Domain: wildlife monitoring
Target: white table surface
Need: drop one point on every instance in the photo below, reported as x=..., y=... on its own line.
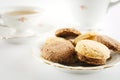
x=17, y=62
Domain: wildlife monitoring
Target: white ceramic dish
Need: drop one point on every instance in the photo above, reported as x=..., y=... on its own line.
x=31, y=37
x=115, y=59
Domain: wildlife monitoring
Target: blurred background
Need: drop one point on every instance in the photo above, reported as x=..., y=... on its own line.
x=57, y=13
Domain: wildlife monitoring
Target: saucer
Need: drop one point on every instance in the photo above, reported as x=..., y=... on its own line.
x=8, y=34
x=81, y=69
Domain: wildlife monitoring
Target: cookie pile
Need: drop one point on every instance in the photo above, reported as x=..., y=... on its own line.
x=70, y=45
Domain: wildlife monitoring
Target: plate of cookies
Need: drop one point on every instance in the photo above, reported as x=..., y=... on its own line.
x=70, y=50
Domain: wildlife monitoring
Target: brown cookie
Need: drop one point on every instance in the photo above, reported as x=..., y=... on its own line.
x=59, y=50
x=68, y=33
x=65, y=32
x=109, y=42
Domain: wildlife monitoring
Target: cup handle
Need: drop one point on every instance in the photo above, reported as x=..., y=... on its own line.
x=113, y=3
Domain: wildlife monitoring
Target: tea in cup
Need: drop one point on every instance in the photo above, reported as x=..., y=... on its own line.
x=21, y=18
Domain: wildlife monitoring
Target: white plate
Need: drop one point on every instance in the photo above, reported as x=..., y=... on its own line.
x=115, y=59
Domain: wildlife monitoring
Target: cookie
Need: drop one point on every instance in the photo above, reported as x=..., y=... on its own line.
x=92, y=52
x=65, y=32
x=89, y=35
x=68, y=33
x=59, y=50
x=109, y=42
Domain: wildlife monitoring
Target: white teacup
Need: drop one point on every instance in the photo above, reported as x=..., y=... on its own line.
x=21, y=18
x=89, y=12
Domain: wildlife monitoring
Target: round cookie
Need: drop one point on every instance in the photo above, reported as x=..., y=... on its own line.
x=59, y=50
x=92, y=52
x=68, y=33
x=65, y=32
x=109, y=42
x=89, y=35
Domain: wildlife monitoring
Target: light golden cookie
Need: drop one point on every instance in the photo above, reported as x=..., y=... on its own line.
x=59, y=50
x=89, y=35
x=92, y=52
